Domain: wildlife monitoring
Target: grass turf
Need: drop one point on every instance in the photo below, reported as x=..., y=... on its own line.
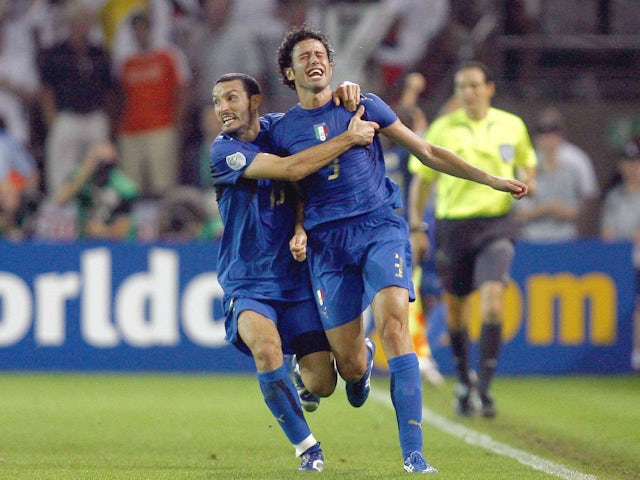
x=85, y=426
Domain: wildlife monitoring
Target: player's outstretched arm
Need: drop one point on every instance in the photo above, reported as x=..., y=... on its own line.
x=297, y=166
x=446, y=161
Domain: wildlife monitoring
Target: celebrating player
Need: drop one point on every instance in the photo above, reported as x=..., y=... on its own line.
x=358, y=248
x=267, y=295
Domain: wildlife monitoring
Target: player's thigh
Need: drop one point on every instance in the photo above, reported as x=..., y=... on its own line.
x=257, y=329
x=348, y=347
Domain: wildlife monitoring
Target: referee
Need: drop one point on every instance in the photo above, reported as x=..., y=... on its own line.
x=475, y=227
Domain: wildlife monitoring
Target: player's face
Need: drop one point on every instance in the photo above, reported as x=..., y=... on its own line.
x=473, y=91
x=310, y=67
x=233, y=108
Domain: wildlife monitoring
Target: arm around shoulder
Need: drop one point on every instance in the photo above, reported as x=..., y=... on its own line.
x=299, y=165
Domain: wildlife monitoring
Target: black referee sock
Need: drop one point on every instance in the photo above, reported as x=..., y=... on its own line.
x=459, y=342
x=489, y=346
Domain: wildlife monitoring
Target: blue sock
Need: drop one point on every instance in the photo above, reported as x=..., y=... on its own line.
x=281, y=397
x=406, y=395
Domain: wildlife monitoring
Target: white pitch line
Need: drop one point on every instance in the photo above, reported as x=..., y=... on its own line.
x=476, y=438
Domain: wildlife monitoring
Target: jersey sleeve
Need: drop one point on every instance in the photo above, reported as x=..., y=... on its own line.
x=229, y=158
x=376, y=110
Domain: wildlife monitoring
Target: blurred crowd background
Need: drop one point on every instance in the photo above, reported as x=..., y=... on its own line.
x=105, y=105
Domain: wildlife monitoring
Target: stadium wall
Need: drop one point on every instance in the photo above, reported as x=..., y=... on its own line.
x=94, y=306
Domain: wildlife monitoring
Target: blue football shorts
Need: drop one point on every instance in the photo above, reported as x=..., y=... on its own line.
x=298, y=323
x=351, y=260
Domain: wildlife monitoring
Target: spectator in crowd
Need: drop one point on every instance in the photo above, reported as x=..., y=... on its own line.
x=77, y=82
x=119, y=33
x=234, y=49
x=558, y=215
x=416, y=23
x=565, y=183
x=197, y=170
x=19, y=78
x=154, y=80
x=475, y=228
x=621, y=221
x=184, y=215
x=49, y=21
x=19, y=182
x=104, y=195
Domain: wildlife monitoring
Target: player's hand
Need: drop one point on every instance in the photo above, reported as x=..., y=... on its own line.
x=364, y=130
x=348, y=94
x=298, y=246
x=516, y=188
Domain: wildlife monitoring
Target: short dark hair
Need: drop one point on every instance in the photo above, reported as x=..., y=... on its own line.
x=251, y=85
x=294, y=36
x=469, y=64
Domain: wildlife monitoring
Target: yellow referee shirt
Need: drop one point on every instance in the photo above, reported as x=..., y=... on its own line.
x=498, y=144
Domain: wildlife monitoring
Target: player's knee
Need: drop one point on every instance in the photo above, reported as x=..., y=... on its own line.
x=323, y=387
x=267, y=354
x=352, y=370
x=394, y=331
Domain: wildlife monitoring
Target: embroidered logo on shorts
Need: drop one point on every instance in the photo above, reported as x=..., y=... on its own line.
x=507, y=152
x=320, y=296
x=320, y=300
x=321, y=131
x=236, y=161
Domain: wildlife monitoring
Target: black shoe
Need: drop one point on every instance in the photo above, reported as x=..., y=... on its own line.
x=466, y=403
x=487, y=409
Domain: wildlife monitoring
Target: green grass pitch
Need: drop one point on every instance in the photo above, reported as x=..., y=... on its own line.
x=149, y=426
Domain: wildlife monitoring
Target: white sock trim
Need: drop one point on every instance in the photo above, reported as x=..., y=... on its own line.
x=305, y=444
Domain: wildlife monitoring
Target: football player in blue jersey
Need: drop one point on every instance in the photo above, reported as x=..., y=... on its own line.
x=358, y=248
x=267, y=294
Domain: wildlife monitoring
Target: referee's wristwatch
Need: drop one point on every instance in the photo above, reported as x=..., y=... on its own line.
x=423, y=227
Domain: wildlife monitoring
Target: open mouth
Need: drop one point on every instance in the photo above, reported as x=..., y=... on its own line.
x=227, y=120
x=315, y=73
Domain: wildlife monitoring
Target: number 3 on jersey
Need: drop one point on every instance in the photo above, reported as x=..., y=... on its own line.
x=335, y=165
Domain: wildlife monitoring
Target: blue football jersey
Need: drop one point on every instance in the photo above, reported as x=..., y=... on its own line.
x=355, y=182
x=258, y=216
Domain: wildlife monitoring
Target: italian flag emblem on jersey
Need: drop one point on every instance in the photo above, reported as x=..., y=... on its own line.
x=321, y=131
